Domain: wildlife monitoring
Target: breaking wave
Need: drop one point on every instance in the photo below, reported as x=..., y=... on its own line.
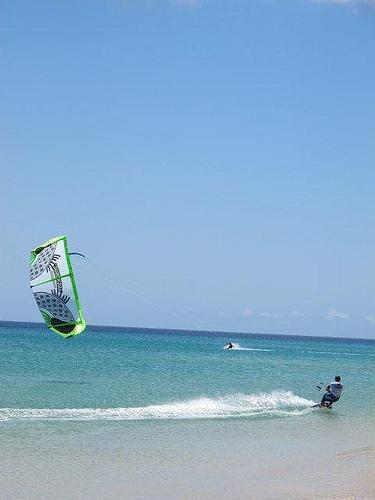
x=274, y=404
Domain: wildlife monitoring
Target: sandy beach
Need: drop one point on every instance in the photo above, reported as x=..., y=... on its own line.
x=186, y=460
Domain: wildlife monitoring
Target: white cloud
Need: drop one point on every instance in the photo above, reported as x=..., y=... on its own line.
x=297, y=314
x=334, y=314
x=267, y=315
x=247, y=313
x=350, y=3
x=187, y=3
x=179, y=3
x=370, y=318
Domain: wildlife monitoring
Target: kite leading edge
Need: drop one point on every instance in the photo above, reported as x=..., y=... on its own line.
x=53, y=285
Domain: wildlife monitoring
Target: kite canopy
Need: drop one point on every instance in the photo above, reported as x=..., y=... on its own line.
x=53, y=285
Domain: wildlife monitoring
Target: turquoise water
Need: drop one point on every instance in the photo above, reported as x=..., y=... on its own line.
x=132, y=368
x=179, y=374
x=139, y=413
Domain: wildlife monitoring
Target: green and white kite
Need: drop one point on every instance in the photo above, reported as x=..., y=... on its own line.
x=53, y=285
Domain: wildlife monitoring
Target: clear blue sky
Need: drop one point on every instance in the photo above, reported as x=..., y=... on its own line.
x=216, y=159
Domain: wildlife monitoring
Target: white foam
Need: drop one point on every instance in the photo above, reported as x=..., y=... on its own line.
x=236, y=405
x=237, y=347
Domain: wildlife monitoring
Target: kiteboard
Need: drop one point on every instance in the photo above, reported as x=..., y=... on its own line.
x=320, y=406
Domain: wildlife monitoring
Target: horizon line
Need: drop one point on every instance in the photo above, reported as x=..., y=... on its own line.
x=36, y=323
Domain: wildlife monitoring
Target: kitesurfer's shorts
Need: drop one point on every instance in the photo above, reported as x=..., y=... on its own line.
x=330, y=398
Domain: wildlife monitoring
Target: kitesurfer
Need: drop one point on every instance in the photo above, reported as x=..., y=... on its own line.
x=333, y=393
x=230, y=345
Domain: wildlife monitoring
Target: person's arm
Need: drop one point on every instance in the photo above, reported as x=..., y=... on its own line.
x=328, y=388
